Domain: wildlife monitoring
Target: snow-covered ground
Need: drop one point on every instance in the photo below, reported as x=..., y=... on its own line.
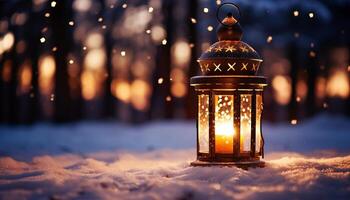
x=115, y=161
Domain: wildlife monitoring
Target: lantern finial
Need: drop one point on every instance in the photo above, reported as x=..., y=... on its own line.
x=228, y=14
x=229, y=29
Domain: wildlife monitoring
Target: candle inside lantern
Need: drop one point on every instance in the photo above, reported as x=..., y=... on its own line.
x=246, y=114
x=224, y=130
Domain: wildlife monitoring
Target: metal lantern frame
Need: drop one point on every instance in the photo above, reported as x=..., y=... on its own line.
x=235, y=86
x=231, y=88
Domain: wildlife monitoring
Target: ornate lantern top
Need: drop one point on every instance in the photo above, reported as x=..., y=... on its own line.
x=229, y=56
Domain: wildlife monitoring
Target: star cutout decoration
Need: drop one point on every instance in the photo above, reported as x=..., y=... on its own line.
x=244, y=49
x=218, y=49
x=230, y=49
x=210, y=49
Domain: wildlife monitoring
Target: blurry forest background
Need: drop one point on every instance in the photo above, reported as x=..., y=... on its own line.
x=70, y=60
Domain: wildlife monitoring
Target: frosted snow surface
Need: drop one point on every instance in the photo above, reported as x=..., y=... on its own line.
x=116, y=161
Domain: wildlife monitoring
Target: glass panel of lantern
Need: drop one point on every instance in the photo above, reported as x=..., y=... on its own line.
x=246, y=123
x=224, y=129
x=203, y=123
x=258, y=138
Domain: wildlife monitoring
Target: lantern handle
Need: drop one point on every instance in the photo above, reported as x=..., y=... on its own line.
x=228, y=3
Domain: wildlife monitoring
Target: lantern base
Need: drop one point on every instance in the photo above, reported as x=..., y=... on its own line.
x=240, y=164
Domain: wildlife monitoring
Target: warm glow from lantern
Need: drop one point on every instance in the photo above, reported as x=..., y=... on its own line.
x=338, y=85
x=224, y=131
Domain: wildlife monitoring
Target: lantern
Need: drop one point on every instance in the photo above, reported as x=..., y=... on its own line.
x=230, y=98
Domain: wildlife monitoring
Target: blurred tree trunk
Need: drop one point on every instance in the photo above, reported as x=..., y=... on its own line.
x=312, y=69
x=108, y=19
x=160, y=107
x=13, y=99
x=293, y=57
x=190, y=101
x=33, y=38
x=62, y=39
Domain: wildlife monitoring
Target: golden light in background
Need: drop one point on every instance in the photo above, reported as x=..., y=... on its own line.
x=94, y=40
x=6, y=71
x=140, y=93
x=140, y=70
x=205, y=46
x=321, y=84
x=178, y=87
x=282, y=89
x=19, y=19
x=82, y=5
x=158, y=33
x=160, y=81
x=301, y=89
x=121, y=90
x=53, y=4
x=210, y=28
x=7, y=42
x=42, y=39
x=181, y=53
x=296, y=13
x=95, y=59
x=21, y=46
x=135, y=22
x=311, y=15
x=338, y=85
x=269, y=39
x=89, y=85
x=47, y=68
x=164, y=42
x=94, y=73
x=156, y=4
x=193, y=20
x=25, y=78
